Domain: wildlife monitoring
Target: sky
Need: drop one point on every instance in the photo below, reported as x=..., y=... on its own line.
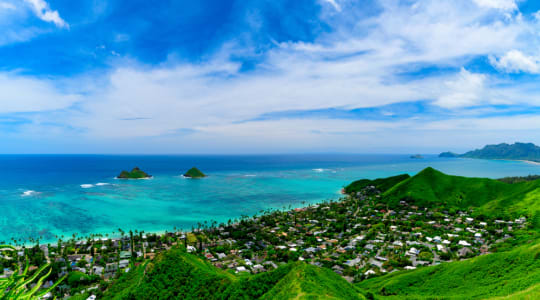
x=267, y=76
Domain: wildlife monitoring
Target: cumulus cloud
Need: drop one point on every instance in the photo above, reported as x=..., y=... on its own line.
x=45, y=13
x=515, y=61
x=379, y=60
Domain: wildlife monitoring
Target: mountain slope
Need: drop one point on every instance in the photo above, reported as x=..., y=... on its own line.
x=515, y=273
x=382, y=184
x=177, y=274
x=516, y=151
x=431, y=188
x=310, y=282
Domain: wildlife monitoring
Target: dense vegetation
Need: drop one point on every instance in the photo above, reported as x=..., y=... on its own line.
x=517, y=179
x=194, y=173
x=431, y=188
x=517, y=151
x=176, y=274
x=497, y=274
x=136, y=173
x=381, y=184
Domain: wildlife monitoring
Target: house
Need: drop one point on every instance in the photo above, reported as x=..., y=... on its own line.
x=464, y=243
x=369, y=272
x=413, y=251
x=241, y=269
x=97, y=270
x=191, y=249
x=375, y=263
x=409, y=268
x=123, y=263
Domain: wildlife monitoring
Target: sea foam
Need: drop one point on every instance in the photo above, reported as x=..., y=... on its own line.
x=29, y=193
x=87, y=186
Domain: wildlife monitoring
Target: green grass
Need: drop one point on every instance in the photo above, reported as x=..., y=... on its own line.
x=177, y=274
x=310, y=282
x=382, y=184
x=431, y=188
x=498, y=274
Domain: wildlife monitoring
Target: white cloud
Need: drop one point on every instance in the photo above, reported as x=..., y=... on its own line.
x=515, y=61
x=44, y=12
x=24, y=94
x=359, y=64
x=506, y=5
x=467, y=89
x=334, y=4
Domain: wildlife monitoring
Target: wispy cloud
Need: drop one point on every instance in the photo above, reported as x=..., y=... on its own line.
x=354, y=65
x=45, y=13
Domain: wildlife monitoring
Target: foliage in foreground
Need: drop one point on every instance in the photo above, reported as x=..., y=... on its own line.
x=16, y=285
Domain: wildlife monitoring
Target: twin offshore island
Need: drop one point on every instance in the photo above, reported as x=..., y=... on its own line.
x=431, y=235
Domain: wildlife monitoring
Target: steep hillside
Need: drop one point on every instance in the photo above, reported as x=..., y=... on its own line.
x=431, y=188
x=177, y=274
x=515, y=273
x=516, y=151
x=309, y=282
x=382, y=184
x=171, y=275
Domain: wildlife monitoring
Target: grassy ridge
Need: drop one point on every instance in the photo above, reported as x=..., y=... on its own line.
x=177, y=274
x=515, y=273
x=382, y=184
x=431, y=188
x=310, y=282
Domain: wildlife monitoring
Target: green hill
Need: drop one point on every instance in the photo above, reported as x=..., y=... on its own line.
x=515, y=273
x=136, y=173
x=431, y=188
x=177, y=274
x=309, y=282
x=516, y=151
x=194, y=173
x=382, y=184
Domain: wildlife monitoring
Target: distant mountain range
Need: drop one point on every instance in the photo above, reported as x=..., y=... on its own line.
x=517, y=151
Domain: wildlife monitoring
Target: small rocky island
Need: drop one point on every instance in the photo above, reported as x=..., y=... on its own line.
x=194, y=173
x=136, y=173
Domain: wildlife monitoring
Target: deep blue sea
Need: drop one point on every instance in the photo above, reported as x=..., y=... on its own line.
x=53, y=195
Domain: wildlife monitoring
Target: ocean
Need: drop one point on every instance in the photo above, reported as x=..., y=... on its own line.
x=49, y=196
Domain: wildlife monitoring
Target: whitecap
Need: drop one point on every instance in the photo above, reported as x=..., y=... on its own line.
x=250, y=175
x=87, y=186
x=318, y=170
x=29, y=193
x=102, y=183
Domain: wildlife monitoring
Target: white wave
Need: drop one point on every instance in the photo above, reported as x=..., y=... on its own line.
x=102, y=183
x=250, y=175
x=318, y=170
x=87, y=186
x=29, y=193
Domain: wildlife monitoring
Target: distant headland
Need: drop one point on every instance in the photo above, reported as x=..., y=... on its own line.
x=136, y=173
x=516, y=151
x=194, y=173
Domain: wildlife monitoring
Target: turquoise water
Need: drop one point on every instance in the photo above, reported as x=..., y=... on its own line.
x=49, y=196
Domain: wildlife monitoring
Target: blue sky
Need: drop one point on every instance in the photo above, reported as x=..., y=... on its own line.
x=219, y=76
